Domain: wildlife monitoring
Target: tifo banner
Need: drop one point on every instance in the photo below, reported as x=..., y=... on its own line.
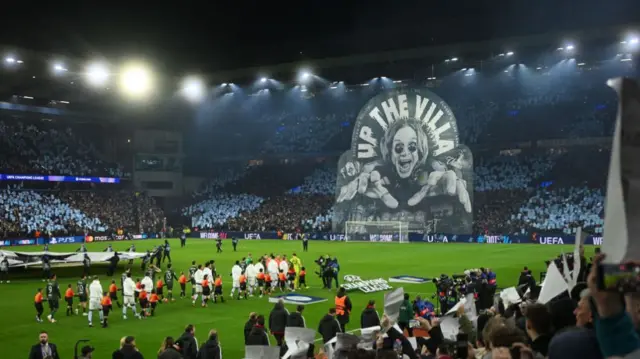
x=406, y=164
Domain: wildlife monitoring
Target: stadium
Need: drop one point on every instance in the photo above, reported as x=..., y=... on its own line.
x=455, y=191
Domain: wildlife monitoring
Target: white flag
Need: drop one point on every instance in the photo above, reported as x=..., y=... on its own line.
x=554, y=284
x=622, y=208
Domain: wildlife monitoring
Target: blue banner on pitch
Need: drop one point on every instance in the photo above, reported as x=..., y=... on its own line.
x=294, y=298
x=409, y=279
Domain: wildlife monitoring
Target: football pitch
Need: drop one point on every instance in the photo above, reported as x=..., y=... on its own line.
x=19, y=330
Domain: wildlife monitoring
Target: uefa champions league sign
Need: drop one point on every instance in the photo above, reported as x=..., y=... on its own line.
x=354, y=282
x=406, y=164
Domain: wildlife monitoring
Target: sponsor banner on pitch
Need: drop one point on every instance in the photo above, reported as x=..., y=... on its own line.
x=64, y=240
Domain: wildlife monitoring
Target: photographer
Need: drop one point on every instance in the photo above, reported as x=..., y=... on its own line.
x=447, y=295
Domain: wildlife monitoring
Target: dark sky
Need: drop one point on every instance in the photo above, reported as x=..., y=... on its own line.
x=207, y=36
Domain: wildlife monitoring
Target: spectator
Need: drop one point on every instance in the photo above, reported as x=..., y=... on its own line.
x=370, y=317
x=169, y=350
x=296, y=319
x=127, y=350
x=211, y=348
x=248, y=326
x=329, y=326
x=44, y=349
x=86, y=352
x=278, y=321
x=258, y=334
x=188, y=343
x=538, y=327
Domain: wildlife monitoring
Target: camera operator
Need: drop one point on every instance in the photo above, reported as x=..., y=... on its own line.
x=322, y=264
x=447, y=294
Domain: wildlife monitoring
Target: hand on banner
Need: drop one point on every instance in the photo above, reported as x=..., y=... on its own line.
x=452, y=186
x=608, y=304
x=371, y=185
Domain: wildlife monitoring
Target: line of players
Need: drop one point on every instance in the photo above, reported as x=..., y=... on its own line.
x=247, y=278
x=267, y=275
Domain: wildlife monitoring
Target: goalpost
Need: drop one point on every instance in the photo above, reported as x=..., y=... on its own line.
x=376, y=231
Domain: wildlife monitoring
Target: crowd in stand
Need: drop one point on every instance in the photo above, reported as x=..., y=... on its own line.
x=510, y=172
x=214, y=212
x=44, y=148
x=549, y=210
x=57, y=212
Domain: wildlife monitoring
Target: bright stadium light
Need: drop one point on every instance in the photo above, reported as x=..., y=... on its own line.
x=136, y=80
x=193, y=89
x=58, y=67
x=97, y=74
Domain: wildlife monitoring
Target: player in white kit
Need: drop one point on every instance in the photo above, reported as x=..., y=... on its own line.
x=236, y=272
x=209, y=273
x=272, y=269
x=95, y=298
x=251, y=273
x=129, y=294
x=198, y=276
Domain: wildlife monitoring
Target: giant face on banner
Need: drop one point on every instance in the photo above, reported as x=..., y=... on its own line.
x=406, y=164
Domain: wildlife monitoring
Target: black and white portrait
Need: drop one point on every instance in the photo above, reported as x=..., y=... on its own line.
x=406, y=164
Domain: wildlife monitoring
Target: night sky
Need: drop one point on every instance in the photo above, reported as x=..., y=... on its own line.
x=183, y=36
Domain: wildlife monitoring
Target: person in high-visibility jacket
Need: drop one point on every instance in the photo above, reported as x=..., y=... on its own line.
x=343, y=308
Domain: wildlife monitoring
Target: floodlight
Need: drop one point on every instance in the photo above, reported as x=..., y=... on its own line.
x=264, y=79
x=59, y=68
x=10, y=60
x=136, y=80
x=193, y=89
x=510, y=53
x=97, y=74
x=569, y=47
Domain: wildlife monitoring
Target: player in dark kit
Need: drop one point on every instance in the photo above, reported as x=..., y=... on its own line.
x=169, y=276
x=219, y=245
x=81, y=291
x=234, y=243
x=53, y=297
x=86, y=264
x=192, y=272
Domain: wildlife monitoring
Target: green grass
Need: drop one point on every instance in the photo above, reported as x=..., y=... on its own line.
x=369, y=260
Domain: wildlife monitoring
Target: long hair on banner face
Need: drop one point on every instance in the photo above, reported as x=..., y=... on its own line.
x=426, y=140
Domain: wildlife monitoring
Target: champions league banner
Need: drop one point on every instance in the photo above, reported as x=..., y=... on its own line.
x=406, y=164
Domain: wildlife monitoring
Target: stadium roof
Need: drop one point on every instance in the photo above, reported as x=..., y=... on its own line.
x=58, y=81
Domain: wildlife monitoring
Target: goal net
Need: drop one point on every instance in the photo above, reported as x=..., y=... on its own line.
x=376, y=231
